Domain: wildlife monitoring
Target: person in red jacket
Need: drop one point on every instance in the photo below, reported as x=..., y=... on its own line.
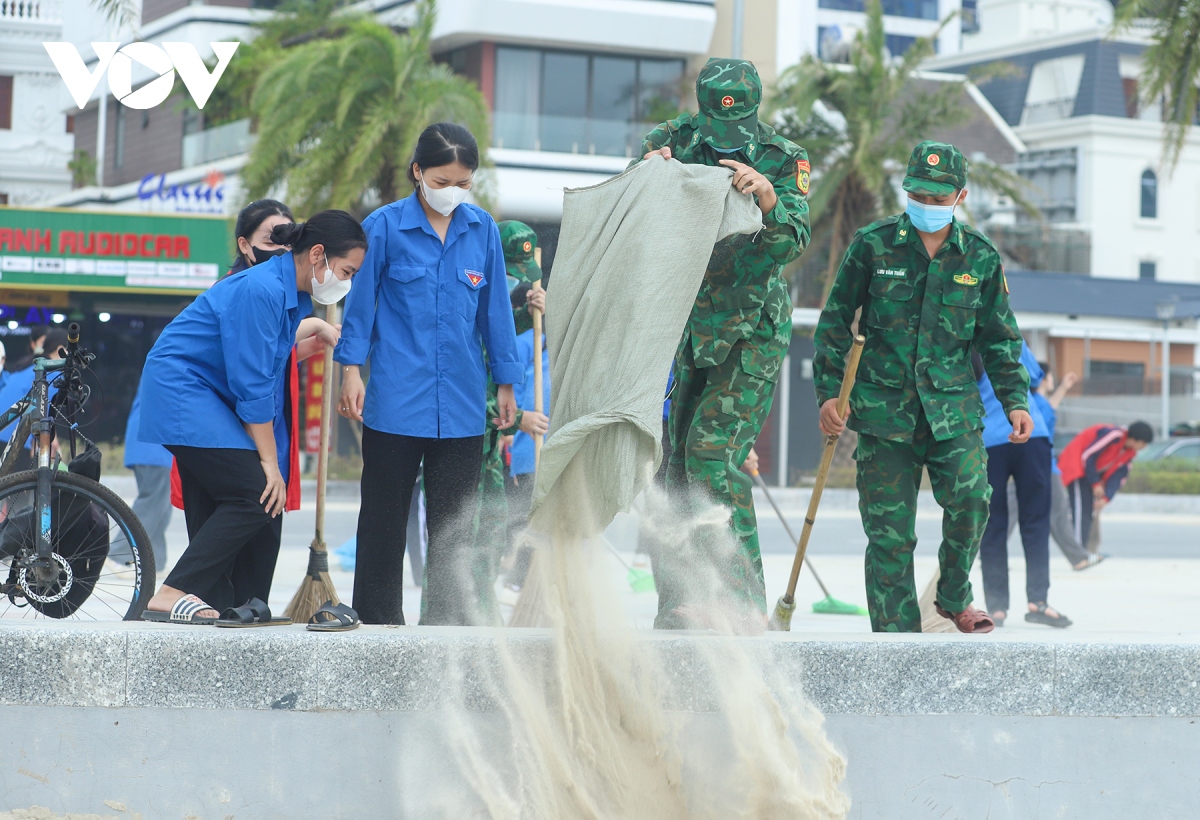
x=1094, y=466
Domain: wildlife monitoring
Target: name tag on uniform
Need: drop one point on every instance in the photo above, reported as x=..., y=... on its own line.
x=891, y=273
x=966, y=279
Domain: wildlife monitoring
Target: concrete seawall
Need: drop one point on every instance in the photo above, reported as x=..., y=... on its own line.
x=265, y=723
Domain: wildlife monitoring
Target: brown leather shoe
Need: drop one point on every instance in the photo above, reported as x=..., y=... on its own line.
x=970, y=620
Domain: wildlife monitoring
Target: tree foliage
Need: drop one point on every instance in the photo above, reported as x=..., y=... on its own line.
x=1171, y=65
x=859, y=123
x=339, y=114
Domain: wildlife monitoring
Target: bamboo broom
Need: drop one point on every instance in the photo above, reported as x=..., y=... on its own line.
x=538, y=404
x=317, y=587
x=781, y=620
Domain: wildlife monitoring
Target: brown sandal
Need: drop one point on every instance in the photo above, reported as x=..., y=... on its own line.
x=970, y=620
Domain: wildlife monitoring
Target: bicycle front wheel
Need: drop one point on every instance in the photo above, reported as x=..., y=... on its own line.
x=102, y=563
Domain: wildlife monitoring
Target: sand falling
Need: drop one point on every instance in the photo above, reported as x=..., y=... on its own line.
x=610, y=727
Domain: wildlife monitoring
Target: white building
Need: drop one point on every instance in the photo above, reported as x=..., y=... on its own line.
x=35, y=145
x=1094, y=152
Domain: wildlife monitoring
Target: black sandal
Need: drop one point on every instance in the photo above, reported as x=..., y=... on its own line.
x=333, y=618
x=252, y=613
x=1040, y=617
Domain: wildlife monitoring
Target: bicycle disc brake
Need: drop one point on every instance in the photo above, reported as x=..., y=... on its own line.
x=53, y=592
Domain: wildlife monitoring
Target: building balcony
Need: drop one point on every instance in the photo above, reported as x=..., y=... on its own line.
x=211, y=144
x=675, y=27
x=568, y=135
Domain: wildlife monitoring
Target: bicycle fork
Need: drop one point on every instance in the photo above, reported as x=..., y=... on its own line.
x=44, y=564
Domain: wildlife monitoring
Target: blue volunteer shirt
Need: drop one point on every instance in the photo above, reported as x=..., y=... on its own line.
x=421, y=311
x=522, y=446
x=996, y=426
x=220, y=363
x=138, y=452
x=14, y=389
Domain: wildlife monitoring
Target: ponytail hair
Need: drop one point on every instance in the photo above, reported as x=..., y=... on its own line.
x=337, y=231
x=444, y=143
x=248, y=221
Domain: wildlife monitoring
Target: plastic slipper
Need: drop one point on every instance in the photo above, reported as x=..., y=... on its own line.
x=1092, y=559
x=252, y=613
x=182, y=612
x=970, y=620
x=333, y=618
x=1040, y=617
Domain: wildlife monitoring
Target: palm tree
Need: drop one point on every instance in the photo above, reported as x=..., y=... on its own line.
x=859, y=123
x=338, y=118
x=119, y=13
x=1171, y=66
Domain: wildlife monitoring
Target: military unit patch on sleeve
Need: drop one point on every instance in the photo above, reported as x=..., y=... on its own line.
x=966, y=279
x=803, y=175
x=891, y=273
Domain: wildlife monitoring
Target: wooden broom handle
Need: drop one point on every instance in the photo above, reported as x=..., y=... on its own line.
x=843, y=404
x=538, y=404
x=331, y=316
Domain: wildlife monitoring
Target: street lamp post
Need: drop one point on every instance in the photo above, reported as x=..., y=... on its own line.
x=1166, y=312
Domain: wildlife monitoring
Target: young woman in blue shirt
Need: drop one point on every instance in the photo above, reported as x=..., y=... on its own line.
x=432, y=293
x=209, y=395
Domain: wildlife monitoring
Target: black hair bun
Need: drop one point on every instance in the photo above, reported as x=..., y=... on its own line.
x=287, y=234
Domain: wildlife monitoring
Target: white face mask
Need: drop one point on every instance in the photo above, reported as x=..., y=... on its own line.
x=331, y=290
x=444, y=200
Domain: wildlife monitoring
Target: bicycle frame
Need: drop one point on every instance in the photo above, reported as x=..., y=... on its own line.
x=36, y=404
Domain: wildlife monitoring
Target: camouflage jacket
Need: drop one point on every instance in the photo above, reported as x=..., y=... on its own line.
x=921, y=319
x=744, y=295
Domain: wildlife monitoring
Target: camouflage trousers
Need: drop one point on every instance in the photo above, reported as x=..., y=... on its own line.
x=889, y=475
x=716, y=416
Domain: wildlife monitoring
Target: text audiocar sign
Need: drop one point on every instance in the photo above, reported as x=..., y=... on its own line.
x=118, y=61
x=88, y=250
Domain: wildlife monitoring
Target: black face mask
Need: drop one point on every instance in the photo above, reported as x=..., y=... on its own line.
x=261, y=256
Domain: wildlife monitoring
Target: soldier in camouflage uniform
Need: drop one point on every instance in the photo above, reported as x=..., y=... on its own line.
x=741, y=324
x=930, y=289
x=491, y=523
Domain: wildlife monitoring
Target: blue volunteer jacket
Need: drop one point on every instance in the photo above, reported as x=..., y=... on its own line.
x=421, y=311
x=996, y=425
x=220, y=363
x=138, y=452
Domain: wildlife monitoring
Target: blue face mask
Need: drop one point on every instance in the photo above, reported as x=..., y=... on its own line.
x=929, y=218
x=512, y=283
x=724, y=150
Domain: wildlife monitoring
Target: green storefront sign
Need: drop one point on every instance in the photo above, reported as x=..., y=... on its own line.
x=63, y=249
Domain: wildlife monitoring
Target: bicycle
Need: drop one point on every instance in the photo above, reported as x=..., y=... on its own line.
x=59, y=527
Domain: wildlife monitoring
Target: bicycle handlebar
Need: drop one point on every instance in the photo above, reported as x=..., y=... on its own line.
x=73, y=336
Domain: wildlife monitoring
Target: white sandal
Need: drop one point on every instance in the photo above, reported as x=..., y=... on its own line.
x=183, y=612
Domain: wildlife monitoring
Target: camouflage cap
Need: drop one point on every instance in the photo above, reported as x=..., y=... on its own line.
x=936, y=169
x=519, y=241
x=728, y=92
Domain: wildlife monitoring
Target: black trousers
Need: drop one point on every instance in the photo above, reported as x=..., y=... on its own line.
x=233, y=543
x=1029, y=466
x=1082, y=506
x=451, y=470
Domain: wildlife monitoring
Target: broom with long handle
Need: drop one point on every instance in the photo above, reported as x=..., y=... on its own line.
x=538, y=404
x=317, y=587
x=781, y=621
x=828, y=605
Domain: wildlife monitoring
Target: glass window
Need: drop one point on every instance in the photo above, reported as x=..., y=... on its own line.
x=1149, y=195
x=119, y=142
x=6, y=101
x=897, y=44
x=614, y=98
x=659, y=90
x=564, y=102
x=518, y=98
x=970, y=16
x=917, y=9
x=1147, y=270
x=1053, y=86
x=581, y=103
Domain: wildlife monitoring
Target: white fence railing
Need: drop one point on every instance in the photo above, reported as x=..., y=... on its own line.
x=31, y=11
